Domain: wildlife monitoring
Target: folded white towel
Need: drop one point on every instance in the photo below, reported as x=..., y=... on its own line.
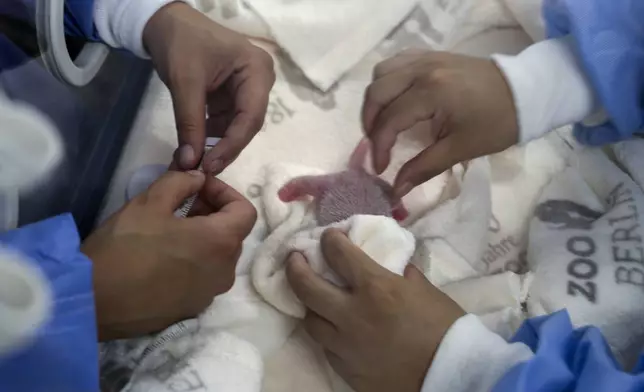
x=586, y=249
x=380, y=237
x=244, y=313
x=326, y=38
x=236, y=15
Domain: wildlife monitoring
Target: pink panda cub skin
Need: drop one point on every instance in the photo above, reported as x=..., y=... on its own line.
x=340, y=196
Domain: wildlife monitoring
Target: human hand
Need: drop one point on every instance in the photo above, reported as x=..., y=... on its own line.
x=382, y=331
x=211, y=71
x=462, y=103
x=152, y=269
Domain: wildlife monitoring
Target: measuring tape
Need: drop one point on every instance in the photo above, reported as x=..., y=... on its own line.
x=185, y=208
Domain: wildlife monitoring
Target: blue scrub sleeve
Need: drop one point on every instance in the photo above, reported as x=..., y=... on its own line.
x=609, y=38
x=64, y=357
x=79, y=19
x=567, y=360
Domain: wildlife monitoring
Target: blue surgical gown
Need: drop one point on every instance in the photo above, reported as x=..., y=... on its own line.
x=609, y=39
x=64, y=357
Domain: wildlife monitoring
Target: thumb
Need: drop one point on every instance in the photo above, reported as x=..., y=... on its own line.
x=173, y=188
x=413, y=275
x=428, y=164
x=189, y=102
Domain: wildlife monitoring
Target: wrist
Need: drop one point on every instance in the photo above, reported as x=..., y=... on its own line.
x=121, y=23
x=162, y=22
x=469, y=345
x=548, y=86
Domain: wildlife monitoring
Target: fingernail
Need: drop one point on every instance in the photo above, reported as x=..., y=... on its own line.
x=186, y=156
x=216, y=166
x=195, y=173
x=296, y=258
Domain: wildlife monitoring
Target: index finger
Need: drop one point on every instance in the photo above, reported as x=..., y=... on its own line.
x=347, y=260
x=189, y=102
x=322, y=297
x=429, y=163
x=410, y=108
x=251, y=86
x=229, y=206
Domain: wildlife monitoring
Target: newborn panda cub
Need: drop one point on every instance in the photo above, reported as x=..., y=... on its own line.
x=340, y=196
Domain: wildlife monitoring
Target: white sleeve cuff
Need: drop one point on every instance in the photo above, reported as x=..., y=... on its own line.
x=549, y=86
x=120, y=23
x=472, y=358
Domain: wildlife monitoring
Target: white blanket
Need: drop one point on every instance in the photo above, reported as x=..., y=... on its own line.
x=587, y=251
x=484, y=208
x=381, y=238
x=327, y=38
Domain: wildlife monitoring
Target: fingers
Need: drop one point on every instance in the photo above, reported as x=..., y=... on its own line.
x=321, y=330
x=401, y=60
x=230, y=208
x=403, y=113
x=315, y=293
x=173, y=188
x=427, y=165
x=251, y=88
x=346, y=259
x=413, y=274
x=189, y=101
x=381, y=93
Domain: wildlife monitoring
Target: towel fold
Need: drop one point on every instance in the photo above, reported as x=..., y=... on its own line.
x=630, y=154
x=481, y=225
x=326, y=38
x=380, y=237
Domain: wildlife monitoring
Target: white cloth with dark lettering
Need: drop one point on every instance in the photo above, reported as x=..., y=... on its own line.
x=481, y=224
x=630, y=154
x=320, y=129
x=327, y=38
x=586, y=250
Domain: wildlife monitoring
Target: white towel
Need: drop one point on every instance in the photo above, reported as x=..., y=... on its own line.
x=320, y=130
x=481, y=227
x=586, y=249
x=326, y=38
x=293, y=229
x=630, y=154
x=236, y=15
x=223, y=363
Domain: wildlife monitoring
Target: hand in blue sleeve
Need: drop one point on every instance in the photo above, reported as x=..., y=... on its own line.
x=64, y=356
x=567, y=360
x=609, y=38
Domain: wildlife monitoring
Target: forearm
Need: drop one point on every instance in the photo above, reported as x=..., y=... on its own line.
x=590, y=65
x=120, y=23
x=472, y=358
